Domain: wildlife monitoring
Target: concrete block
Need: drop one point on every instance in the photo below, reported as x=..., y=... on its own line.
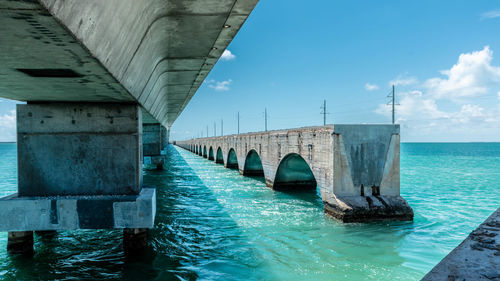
x=78, y=212
x=79, y=149
x=151, y=139
x=369, y=208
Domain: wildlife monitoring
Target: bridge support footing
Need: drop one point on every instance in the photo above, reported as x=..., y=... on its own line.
x=79, y=167
x=369, y=208
x=20, y=242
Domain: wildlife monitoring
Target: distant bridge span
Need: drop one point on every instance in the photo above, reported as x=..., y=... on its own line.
x=355, y=167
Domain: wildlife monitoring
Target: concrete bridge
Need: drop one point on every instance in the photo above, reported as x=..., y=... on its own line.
x=103, y=82
x=355, y=167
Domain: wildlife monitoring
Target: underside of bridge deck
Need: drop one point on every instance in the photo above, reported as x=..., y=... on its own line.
x=101, y=79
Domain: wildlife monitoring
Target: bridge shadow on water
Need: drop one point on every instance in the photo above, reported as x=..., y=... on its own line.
x=214, y=224
x=193, y=238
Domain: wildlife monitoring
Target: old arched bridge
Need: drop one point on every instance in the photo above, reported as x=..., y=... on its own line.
x=355, y=167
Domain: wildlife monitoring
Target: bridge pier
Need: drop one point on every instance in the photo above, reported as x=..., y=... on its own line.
x=355, y=167
x=79, y=167
x=154, y=142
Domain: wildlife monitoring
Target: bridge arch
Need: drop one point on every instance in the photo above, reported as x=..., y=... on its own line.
x=199, y=150
x=219, y=157
x=232, y=160
x=294, y=173
x=204, y=151
x=211, y=154
x=253, y=165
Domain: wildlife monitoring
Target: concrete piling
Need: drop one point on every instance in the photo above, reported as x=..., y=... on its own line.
x=135, y=240
x=20, y=242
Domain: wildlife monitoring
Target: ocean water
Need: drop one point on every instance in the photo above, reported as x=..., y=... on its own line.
x=214, y=224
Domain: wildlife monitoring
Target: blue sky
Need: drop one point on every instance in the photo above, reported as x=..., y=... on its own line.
x=443, y=56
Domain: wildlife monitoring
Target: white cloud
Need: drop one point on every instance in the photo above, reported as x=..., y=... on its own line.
x=426, y=113
x=8, y=126
x=414, y=105
x=227, y=55
x=468, y=113
x=469, y=77
x=403, y=80
x=371, y=87
x=220, y=85
x=490, y=15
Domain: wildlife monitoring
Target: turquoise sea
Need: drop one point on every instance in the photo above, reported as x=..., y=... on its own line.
x=214, y=224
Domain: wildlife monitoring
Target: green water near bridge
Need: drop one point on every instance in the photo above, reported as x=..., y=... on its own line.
x=214, y=224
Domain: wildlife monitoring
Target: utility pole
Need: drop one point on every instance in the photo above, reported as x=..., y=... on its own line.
x=222, y=127
x=215, y=129
x=265, y=117
x=238, y=122
x=392, y=95
x=207, y=131
x=323, y=111
x=393, y=104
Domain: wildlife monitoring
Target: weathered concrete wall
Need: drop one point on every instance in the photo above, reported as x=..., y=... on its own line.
x=356, y=167
x=476, y=258
x=79, y=149
x=151, y=139
x=164, y=137
x=154, y=137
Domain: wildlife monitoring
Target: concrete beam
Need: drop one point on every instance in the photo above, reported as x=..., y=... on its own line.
x=156, y=53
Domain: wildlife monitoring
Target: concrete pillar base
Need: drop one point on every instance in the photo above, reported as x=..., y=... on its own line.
x=20, y=242
x=135, y=239
x=156, y=162
x=78, y=212
x=369, y=208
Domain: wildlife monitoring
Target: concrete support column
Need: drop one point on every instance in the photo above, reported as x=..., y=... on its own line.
x=153, y=143
x=134, y=239
x=20, y=242
x=164, y=138
x=79, y=167
x=79, y=149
